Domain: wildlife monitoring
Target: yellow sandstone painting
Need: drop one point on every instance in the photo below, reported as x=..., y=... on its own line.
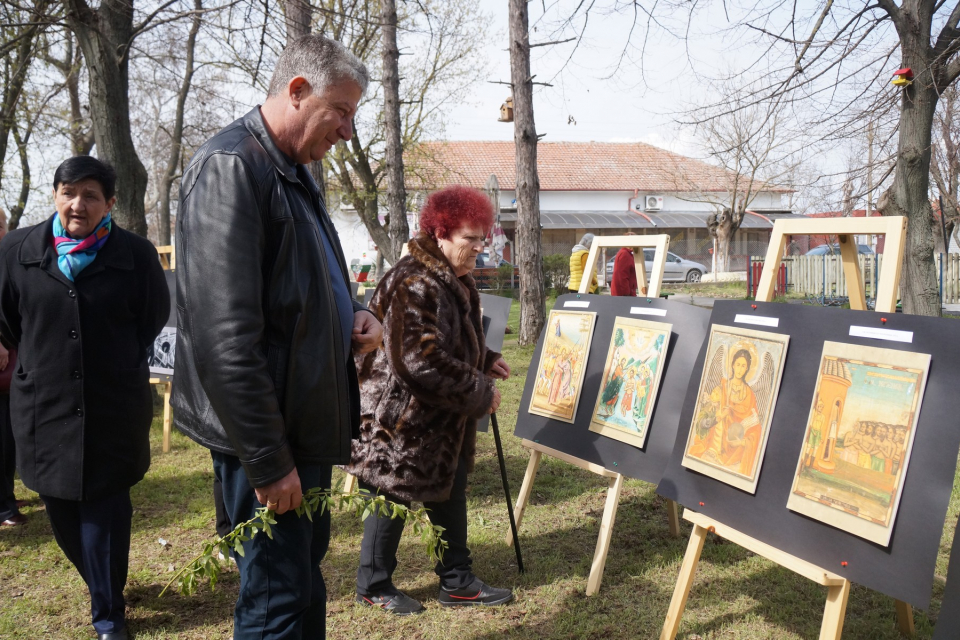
x=631, y=379
x=858, y=438
x=559, y=381
x=735, y=401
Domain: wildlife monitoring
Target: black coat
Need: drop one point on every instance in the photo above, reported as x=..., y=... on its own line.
x=80, y=399
x=261, y=371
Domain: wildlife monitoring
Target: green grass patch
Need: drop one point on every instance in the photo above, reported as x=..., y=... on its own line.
x=736, y=595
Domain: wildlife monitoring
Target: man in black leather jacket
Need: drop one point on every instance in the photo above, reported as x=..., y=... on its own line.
x=264, y=373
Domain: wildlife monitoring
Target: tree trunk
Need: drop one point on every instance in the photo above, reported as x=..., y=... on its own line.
x=396, y=190
x=16, y=212
x=176, y=136
x=909, y=194
x=530, y=254
x=105, y=35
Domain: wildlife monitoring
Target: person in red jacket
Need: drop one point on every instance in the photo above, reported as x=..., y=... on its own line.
x=624, y=281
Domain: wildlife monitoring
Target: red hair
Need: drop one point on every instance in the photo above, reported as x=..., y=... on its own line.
x=453, y=207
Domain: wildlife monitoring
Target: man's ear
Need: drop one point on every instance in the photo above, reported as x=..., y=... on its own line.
x=297, y=90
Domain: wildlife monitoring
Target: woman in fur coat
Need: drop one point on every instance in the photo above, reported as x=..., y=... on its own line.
x=421, y=394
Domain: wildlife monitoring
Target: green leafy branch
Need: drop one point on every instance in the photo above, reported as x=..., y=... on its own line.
x=364, y=504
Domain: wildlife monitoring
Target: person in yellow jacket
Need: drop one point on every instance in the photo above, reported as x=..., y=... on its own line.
x=578, y=261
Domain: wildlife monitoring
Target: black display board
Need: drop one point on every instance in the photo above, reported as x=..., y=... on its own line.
x=689, y=329
x=948, y=624
x=496, y=312
x=905, y=569
x=160, y=356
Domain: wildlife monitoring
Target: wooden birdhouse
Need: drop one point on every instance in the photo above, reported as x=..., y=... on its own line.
x=902, y=77
x=506, y=111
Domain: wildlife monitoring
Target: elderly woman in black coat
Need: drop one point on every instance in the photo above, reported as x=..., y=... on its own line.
x=82, y=300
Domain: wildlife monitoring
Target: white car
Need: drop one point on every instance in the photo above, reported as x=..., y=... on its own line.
x=676, y=269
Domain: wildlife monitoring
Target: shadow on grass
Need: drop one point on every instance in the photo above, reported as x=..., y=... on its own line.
x=149, y=613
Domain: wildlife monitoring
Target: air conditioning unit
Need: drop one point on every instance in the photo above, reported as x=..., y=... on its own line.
x=653, y=203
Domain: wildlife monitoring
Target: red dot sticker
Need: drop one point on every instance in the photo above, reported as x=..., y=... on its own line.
x=701, y=504
x=843, y=563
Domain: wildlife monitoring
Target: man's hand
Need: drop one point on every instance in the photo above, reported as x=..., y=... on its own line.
x=367, y=332
x=283, y=495
x=496, y=401
x=500, y=370
x=4, y=358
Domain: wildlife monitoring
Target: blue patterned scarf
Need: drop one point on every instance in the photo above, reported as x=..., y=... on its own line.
x=75, y=255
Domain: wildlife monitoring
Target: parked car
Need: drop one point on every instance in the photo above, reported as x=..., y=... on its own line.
x=834, y=250
x=676, y=269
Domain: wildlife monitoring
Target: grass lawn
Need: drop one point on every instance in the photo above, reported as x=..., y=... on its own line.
x=736, y=594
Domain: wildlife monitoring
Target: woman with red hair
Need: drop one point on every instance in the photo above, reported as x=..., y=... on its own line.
x=421, y=393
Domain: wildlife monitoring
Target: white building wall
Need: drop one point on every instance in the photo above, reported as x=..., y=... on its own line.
x=619, y=200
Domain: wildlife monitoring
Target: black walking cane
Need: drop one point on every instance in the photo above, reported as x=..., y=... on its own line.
x=506, y=490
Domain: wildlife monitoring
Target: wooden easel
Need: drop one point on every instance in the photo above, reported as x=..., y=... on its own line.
x=647, y=288
x=168, y=260
x=167, y=417
x=838, y=587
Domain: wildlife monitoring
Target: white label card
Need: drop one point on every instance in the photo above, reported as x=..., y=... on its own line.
x=763, y=321
x=648, y=311
x=881, y=334
x=576, y=304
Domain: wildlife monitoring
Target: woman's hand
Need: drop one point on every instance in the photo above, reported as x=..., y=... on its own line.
x=500, y=370
x=496, y=401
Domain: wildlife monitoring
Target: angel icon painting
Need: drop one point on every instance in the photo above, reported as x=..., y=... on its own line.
x=738, y=390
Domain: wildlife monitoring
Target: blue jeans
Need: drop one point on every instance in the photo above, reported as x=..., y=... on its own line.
x=282, y=594
x=95, y=537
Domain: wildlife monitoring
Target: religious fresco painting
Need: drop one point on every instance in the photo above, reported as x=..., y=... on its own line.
x=559, y=381
x=858, y=438
x=735, y=401
x=631, y=378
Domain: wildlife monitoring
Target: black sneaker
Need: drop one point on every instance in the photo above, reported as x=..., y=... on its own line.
x=396, y=602
x=475, y=593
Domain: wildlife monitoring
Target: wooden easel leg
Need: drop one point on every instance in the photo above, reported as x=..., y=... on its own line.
x=349, y=483
x=606, y=531
x=673, y=518
x=525, y=490
x=167, y=417
x=684, y=582
x=834, y=611
x=905, y=619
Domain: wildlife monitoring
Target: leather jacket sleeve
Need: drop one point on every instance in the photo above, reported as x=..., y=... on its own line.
x=222, y=249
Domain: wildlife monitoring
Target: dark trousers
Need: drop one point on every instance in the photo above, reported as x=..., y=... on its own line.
x=95, y=536
x=8, y=461
x=282, y=594
x=381, y=539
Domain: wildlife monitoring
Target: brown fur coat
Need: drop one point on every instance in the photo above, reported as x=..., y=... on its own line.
x=424, y=388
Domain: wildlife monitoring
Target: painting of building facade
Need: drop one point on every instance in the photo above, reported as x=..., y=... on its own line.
x=735, y=401
x=559, y=378
x=631, y=379
x=858, y=438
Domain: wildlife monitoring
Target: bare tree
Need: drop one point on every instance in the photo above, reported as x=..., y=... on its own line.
x=70, y=64
x=396, y=189
x=945, y=163
x=529, y=249
x=171, y=173
x=21, y=30
x=443, y=37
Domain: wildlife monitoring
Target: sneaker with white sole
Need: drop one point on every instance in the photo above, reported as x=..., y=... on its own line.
x=475, y=593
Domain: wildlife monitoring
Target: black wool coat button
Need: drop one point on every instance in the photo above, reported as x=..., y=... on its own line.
x=73, y=334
